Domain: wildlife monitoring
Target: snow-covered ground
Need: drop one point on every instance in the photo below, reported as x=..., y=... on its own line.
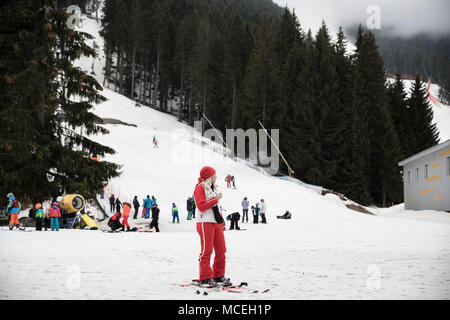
x=326, y=251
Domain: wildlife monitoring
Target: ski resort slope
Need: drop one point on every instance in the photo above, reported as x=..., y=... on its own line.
x=325, y=251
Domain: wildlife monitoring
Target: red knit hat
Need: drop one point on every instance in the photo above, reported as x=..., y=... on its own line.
x=206, y=173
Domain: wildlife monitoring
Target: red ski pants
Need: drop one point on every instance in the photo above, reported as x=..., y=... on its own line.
x=125, y=222
x=211, y=238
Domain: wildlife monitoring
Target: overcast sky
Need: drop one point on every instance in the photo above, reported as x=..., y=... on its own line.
x=408, y=17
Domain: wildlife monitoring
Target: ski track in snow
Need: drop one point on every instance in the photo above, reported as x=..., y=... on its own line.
x=325, y=252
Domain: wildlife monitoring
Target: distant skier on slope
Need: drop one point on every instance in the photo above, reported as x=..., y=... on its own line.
x=228, y=180
x=112, y=202
x=118, y=205
x=234, y=219
x=136, y=206
x=263, y=211
x=125, y=216
x=210, y=229
x=245, y=204
x=155, y=218
x=175, y=213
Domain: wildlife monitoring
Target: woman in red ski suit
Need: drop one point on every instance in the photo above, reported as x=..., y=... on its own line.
x=210, y=226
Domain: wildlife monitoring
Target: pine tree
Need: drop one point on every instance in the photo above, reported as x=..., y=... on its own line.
x=384, y=149
x=262, y=81
x=46, y=101
x=425, y=132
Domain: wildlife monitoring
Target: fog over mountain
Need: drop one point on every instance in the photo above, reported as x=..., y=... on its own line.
x=401, y=17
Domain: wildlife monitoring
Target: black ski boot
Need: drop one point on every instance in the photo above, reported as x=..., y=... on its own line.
x=208, y=283
x=225, y=282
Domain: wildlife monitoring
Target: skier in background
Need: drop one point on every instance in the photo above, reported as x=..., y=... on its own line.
x=245, y=204
x=114, y=222
x=153, y=201
x=155, y=218
x=263, y=211
x=228, y=180
x=118, y=205
x=136, y=205
x=255, y=211
x=175, y=213
x=112, y=201
x=13, y=209
x=210, y=229
x=125, y=216
x=54, y=214
x=46, y=219
x=147, y=205
x=233, y=181
x=234, y=219
x=143, y=208
x=38, y=215
x=193, y=207
x=155, y=144
x=189, y=208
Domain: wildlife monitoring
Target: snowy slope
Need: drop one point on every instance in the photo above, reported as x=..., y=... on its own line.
x=325, y=251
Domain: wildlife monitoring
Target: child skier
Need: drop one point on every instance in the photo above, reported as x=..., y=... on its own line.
x=210, y=229
x=38, y=215
x=125, y=215
x=54, y=214
x=175, y=213
x=255, y=211
x=13, y=208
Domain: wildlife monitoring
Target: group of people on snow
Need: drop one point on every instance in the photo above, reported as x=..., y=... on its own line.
x=230, y=180
x=259, y=209
x=48, y=218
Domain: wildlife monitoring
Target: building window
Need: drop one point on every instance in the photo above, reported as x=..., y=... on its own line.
x=417, y=173
x=448, y=166
x=409, y=177
x=426, y=171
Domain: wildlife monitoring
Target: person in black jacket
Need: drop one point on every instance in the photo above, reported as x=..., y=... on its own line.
x=112, y=201
x=155, y=218
x=136, y=207
x=118, y=205
x=234, y=218
x=189, y=208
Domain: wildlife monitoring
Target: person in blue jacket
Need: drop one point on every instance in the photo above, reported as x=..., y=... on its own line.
x=175, y=213
x=13, y=209
x=148, y=206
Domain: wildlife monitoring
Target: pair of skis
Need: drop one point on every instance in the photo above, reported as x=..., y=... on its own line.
x=242, y=287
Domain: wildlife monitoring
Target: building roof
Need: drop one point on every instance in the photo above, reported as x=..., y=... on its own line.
x=425, y=153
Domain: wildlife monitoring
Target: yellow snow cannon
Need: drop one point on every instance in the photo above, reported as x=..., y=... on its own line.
x=72, y=203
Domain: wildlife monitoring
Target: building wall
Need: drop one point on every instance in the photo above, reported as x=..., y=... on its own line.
x=432, y=192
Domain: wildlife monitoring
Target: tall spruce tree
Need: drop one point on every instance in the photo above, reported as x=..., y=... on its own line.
x=425, y=131
x=384, y=149
x=45, y=106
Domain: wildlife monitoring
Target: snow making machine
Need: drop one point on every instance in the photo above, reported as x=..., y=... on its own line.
x=72, y=213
